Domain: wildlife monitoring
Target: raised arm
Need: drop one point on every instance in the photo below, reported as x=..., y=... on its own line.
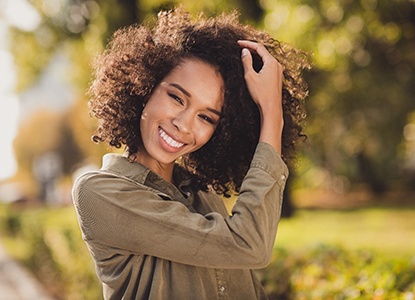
x=265, y=88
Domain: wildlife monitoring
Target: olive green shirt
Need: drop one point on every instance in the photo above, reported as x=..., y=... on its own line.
x=152, y=240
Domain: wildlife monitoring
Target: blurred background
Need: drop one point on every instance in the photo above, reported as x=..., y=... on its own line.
x=349, y=226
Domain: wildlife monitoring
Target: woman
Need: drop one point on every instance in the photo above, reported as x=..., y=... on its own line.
x=201, y=110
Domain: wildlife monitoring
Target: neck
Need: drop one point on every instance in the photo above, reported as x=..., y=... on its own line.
x=163, y=170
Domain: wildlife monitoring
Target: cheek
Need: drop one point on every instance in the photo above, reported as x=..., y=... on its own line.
x=205, y=135
x=145, y=122
x=143, y=118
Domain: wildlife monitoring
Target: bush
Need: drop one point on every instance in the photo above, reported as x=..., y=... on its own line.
x=53, y=250
x=331, y=272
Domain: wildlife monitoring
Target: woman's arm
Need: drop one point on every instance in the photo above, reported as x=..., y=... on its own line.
x=127, y=218
x=265, y=88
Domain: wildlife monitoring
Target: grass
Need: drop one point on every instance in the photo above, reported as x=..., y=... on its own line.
x=390, y=231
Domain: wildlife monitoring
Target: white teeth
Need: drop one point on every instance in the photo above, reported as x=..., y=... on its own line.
x=169, y=140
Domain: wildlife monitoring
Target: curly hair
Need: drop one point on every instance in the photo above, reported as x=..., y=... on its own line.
x=139, y=57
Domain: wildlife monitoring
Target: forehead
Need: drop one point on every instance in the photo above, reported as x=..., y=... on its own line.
x=199, y=79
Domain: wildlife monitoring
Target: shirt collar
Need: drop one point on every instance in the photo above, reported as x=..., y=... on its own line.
x=119, y=164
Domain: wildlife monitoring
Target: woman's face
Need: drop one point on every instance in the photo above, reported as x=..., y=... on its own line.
x=182, y=113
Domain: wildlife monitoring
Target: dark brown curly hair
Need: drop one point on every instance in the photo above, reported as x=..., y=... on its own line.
x=139, y=57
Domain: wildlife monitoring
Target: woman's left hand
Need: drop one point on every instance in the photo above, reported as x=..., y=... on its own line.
x=265, y=88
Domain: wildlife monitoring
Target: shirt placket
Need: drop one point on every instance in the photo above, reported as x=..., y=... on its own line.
x=221, y=284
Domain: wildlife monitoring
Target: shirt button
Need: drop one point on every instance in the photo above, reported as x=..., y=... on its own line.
x=222, y=289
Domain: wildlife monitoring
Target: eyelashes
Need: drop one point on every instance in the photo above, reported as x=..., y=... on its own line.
x=207, y=119
x=176, y=98
x=204, y=117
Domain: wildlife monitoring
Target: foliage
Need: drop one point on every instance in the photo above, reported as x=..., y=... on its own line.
x=361, y=88
x=41, y=133
x=361, y=128
x=330, y=272
x=48, y=241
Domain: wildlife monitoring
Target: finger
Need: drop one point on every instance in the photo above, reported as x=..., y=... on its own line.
x=246, y=60
x=258, y=48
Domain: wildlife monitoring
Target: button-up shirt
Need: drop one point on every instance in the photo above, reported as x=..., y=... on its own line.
x=151, y=239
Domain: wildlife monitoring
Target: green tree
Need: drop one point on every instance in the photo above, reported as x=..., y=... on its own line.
x=41, y=133
x=361, y=87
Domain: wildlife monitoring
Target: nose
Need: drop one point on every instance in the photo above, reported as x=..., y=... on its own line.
x=183, y=121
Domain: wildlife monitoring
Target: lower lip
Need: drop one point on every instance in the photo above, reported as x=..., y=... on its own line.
x=167, y=147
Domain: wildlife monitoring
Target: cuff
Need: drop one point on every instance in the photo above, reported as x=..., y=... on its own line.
x=267, y=159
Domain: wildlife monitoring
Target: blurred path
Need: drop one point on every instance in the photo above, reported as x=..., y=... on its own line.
x=16, y=283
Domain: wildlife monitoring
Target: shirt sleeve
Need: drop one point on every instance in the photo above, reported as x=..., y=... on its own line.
x=132, y=221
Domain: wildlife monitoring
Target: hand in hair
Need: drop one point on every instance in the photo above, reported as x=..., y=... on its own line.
x=265, y=87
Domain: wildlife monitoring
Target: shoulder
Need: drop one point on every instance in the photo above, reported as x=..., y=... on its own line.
x=86, y=184
x=92, y=180
x=101, y=184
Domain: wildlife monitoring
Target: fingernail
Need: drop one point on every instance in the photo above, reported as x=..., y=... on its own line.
x=245, y=52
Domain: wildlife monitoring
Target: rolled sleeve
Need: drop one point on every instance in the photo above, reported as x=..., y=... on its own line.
x=267, y=159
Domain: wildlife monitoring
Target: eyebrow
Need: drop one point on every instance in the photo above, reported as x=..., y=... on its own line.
x=179, y=87
x=184, y=91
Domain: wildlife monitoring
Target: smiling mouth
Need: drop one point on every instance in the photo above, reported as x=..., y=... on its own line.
x=171, y=142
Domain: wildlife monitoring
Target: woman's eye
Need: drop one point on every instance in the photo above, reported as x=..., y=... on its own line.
x=176, y=98
x=207, y=119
